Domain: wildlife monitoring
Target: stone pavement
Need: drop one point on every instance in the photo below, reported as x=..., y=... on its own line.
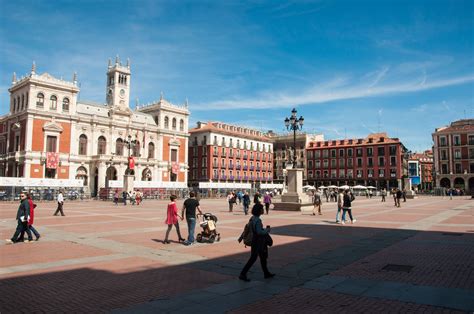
x=106, y=258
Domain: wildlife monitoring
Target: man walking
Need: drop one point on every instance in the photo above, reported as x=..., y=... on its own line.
x=384, y=193
x=246, y=202
x=398, y=197
x=190, y=205
x=21, y=217
x=124, y=197
x=60, y=200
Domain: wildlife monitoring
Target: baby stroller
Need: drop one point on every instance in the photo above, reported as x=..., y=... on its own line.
x=209, y=232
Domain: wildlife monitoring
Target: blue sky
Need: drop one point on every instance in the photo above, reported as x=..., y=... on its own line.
x=349, y=67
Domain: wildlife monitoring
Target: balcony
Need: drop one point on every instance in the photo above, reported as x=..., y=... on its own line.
x=231, y=177
x=251, y=168
x=381, y=175
x=246, y=178
x=231, y=166
x=246, y=157
x=370, y=175
x=223, y=165
x=215, y=154
x=215, y=177
x=258, y=158
x=214, y=165
x=258, y=168
x=237, y=167
x=224, y=154
x=245, y=167
x=393, y=175
x=203, y=142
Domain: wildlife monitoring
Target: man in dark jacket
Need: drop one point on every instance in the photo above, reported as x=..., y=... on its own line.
x=347, y=205
x=21, y=217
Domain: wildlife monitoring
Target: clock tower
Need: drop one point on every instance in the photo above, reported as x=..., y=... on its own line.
x=118, y=85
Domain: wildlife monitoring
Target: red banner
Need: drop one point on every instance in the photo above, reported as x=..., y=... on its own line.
x=131, y=163
x=52, y=160
x=175, y=168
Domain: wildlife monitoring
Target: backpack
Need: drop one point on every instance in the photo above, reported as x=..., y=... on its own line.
x=247, y=234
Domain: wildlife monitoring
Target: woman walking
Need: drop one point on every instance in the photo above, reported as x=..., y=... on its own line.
x=259, y=246
x=246, y=202
x=172, y=219
x=267, y=200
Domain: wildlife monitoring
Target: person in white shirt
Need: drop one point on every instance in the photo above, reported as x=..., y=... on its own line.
x=60, y=204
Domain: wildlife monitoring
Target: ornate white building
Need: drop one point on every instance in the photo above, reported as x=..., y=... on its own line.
x=90, y=139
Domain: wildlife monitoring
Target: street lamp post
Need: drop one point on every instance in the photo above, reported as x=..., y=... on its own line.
x=294, y=124
x=129, y=145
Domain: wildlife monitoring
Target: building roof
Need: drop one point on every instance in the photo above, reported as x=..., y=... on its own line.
x=371, y=139
x=230, y=130
x=464, y=125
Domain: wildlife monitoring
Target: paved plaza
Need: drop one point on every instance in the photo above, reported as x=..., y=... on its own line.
x=106, y=258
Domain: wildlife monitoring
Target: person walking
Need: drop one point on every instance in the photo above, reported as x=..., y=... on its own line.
x=398, y=195
x=124, y=197
x=30, y=229
x=246, y=202
x=259, y=248
x=138, y=197
x=231, y=201
x=267, y=200
x=190, y=206
x=22, y=218
x=347, y=205
x=316, y=203
x=340, y=204
x=394, y=193
x=172, y=219
x=239, y=197
x=404, y=195
x=257, y=198
x=383, y=193
x=60, y=200
x=116, y=197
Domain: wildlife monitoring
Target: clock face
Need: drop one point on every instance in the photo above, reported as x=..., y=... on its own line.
x=122, y=93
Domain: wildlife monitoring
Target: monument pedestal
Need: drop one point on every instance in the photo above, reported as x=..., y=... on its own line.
x=409, y=193
x=295, y=199
x=128, y=181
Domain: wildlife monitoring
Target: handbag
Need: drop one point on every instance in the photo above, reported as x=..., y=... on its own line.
x=24, y=218
x=268, y=240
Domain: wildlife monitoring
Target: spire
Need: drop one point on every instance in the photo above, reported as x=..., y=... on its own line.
x=161, y=96
x=110, y=63
x=128, y=63
x=186, y=103
x=117, y=60
x=33, y=68
x=74, y=78
x=136, y=102
x=14, y=78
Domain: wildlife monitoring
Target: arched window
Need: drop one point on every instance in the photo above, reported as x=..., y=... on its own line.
x=18, y=103
x=40, y=100
x=82, y=145
x=22, y=102
x=157, y=120
x=136, y=148
x=181, y=125
x=14, y=104
x=119, y=147
x=54, y=103
x=151, y=150
x=101, y=145
x=66, y=104
x=167, y=123
x=173, y=124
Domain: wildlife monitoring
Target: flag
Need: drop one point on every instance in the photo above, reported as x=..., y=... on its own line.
x=175, y=168
x=131, y=163
x=52, y=160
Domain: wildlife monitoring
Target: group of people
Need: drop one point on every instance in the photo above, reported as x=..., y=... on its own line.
x=344, y=201
x=243, y=198
x=397, y=196
x=25, y=217
x=134, y=197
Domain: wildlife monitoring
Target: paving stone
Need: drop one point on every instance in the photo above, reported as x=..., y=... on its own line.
x=354, y=286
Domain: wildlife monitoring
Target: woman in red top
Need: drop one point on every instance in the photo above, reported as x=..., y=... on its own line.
x=172, y=219
x=30, y=221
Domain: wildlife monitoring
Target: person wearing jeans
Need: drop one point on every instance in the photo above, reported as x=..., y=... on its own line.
x=189, y=207
x=346, y=206
x=23, y=211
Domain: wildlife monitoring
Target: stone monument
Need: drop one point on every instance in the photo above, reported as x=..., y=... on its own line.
x=294, y=199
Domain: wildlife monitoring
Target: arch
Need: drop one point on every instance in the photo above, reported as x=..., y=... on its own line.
x=81, y=174
x=173, y=124
x=110, y=174
x=459, y=183
x=101, y=145
x=82, y=145
x=167, y=123
x=119, y=147
x=445, y=183
x=151, y=150
x=65, y=104
x=136, y=148
x=53, y=102
x=471, y=184
x=146, y=174
x=181, y=125
x=40, y=100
